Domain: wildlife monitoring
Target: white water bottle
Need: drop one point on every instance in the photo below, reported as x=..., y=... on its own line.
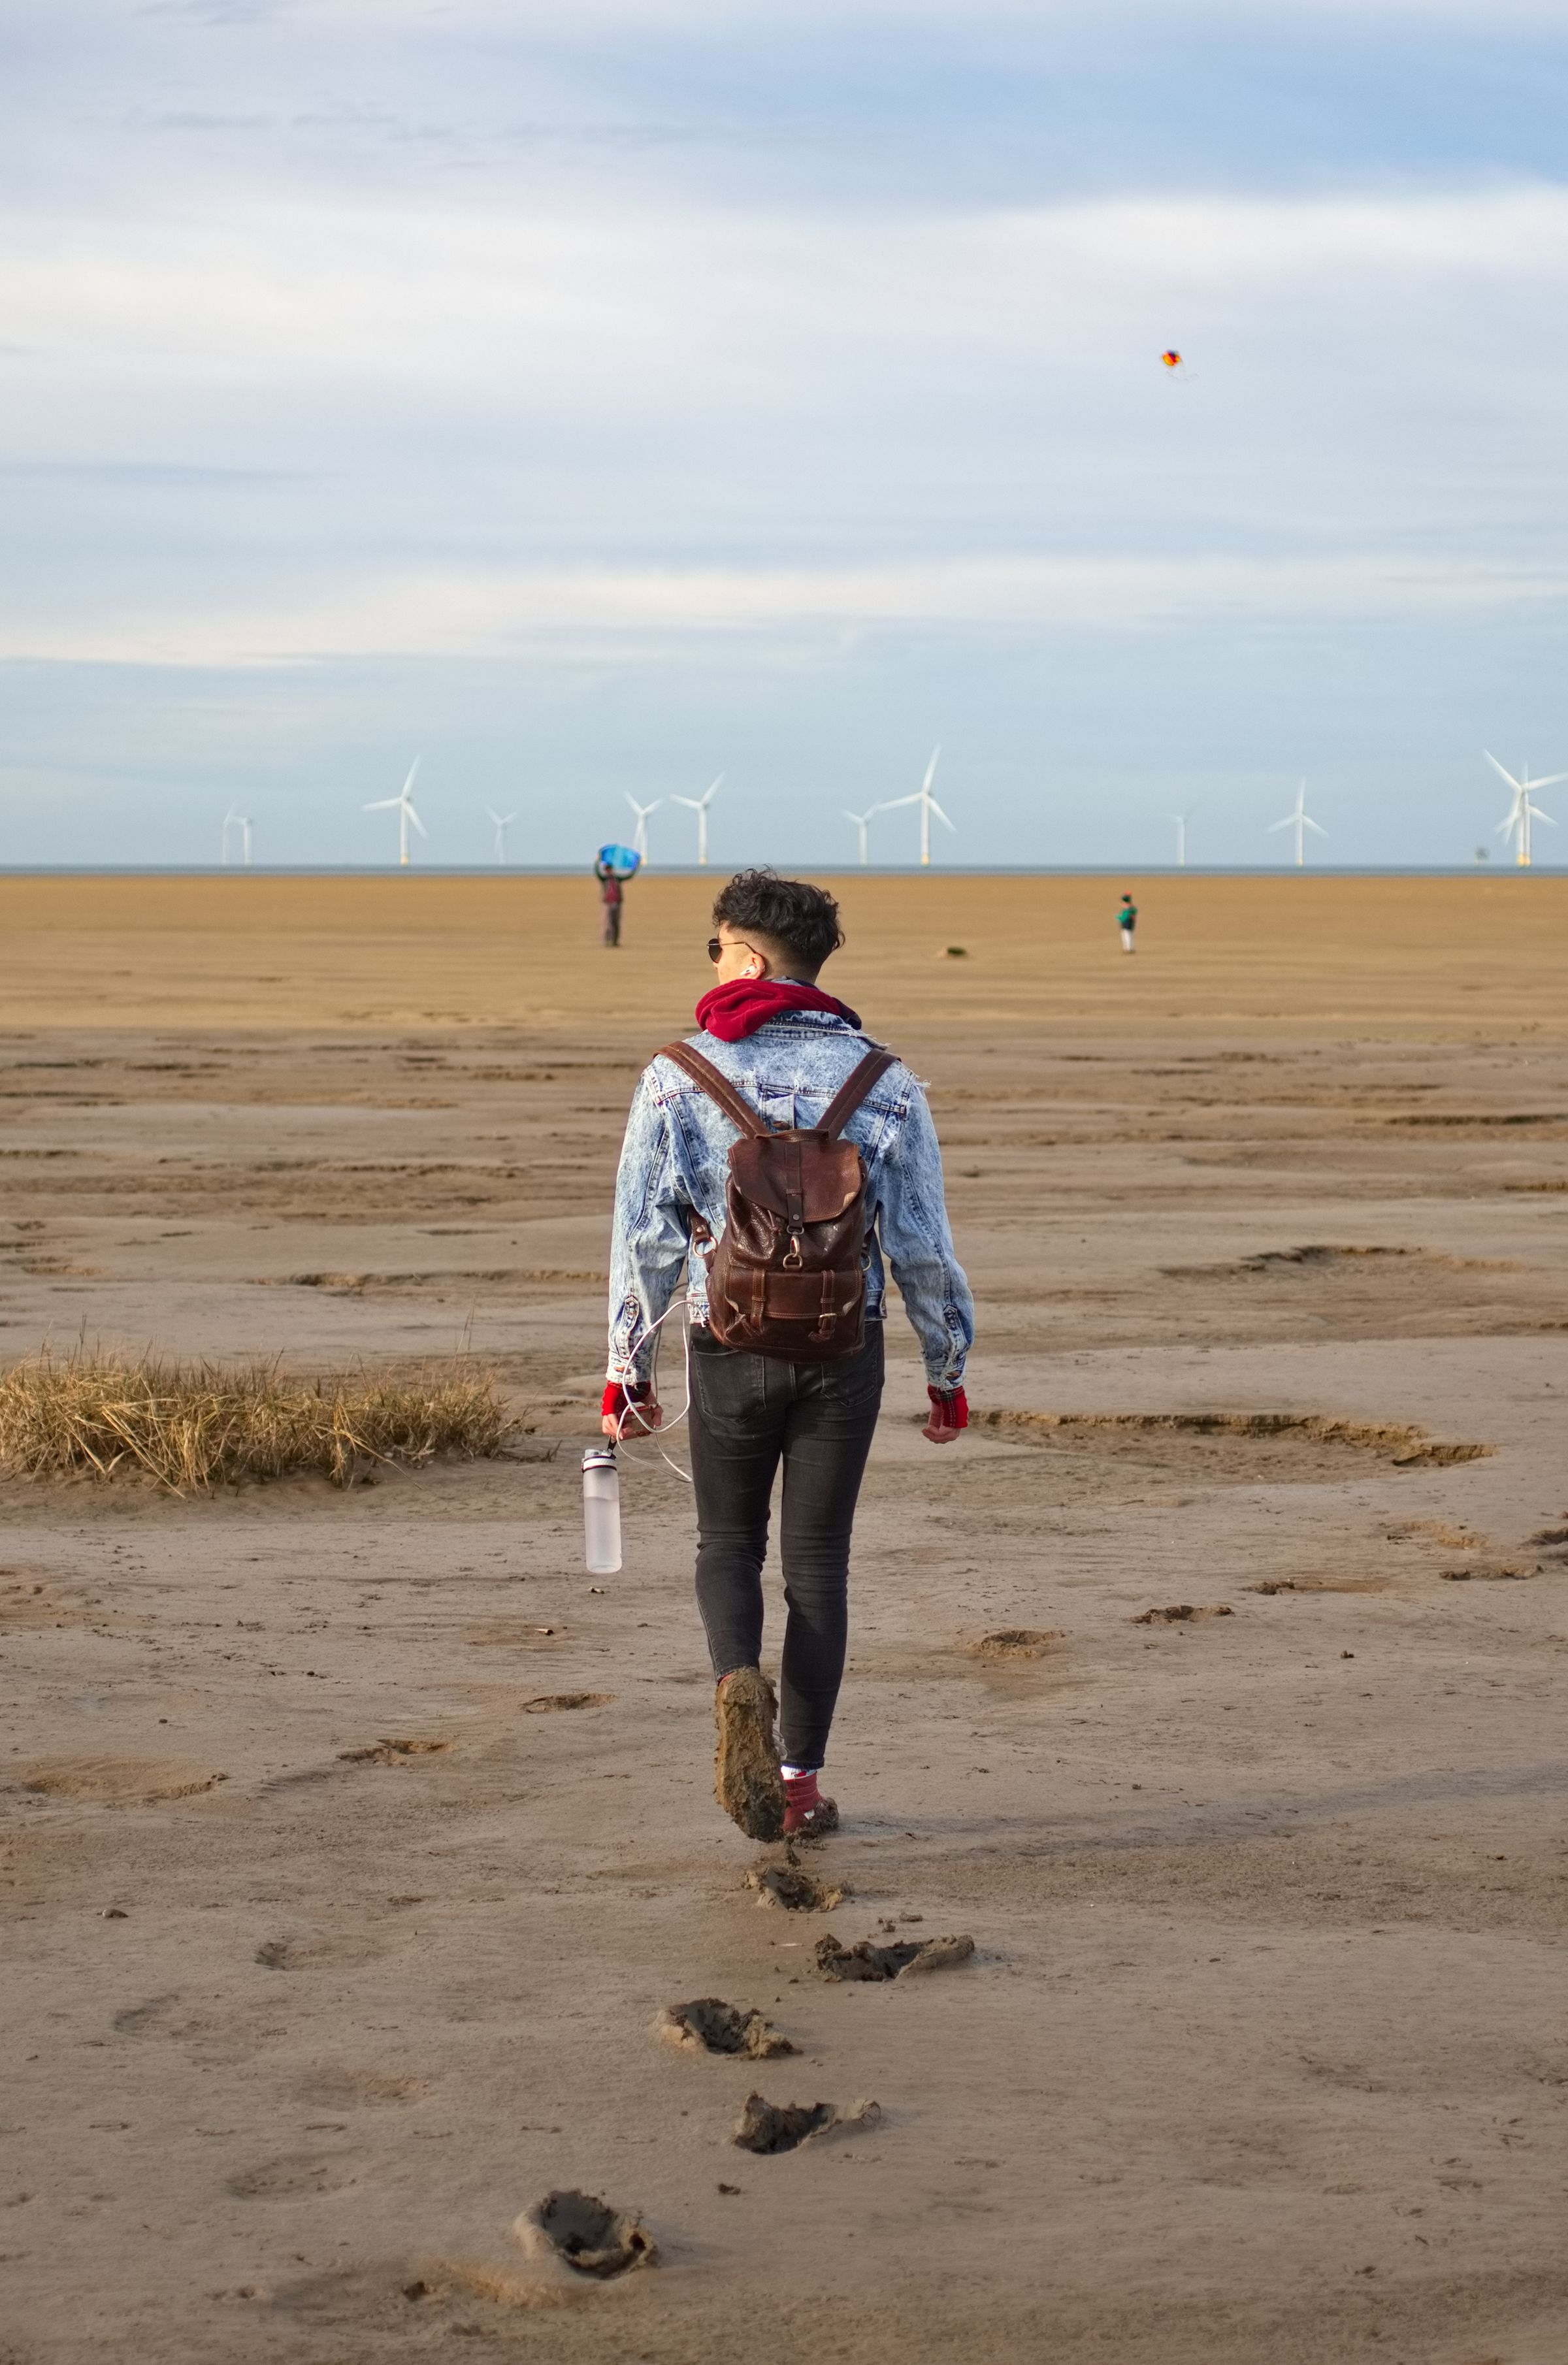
x=601, y=1511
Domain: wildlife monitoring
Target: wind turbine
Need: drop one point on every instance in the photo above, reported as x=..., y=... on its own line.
x=503, y=822
x=1523, y=811
x=928, y=805
x=235, y=819
x=402, y=806
x=699, y=805
x=640, y=834
x=1180, y=821
x=1300, y=821
x=862, y=822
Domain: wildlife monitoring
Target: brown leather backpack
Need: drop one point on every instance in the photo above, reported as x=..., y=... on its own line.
x=788, y=1277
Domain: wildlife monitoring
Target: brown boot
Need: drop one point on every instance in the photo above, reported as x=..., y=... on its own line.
x=746, y=1780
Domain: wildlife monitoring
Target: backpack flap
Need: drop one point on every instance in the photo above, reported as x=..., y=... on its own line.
x=796, y=1203
x=804, y=1177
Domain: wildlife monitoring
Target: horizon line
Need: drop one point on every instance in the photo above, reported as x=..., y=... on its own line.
x=718, y=871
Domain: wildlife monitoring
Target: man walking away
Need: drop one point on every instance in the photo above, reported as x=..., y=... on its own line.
x=1126, y=919
x=611, y=894
x=773, y=1044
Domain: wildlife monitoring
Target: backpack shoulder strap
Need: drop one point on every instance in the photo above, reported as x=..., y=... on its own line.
x=853, y=1091
x=718, y=1088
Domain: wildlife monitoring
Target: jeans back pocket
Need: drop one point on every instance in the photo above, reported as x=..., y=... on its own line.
x=727, y=1384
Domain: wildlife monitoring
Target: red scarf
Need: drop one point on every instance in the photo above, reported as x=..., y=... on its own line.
x=734, y=1011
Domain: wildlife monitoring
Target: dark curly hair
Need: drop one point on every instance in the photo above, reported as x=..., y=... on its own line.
x=796, y=918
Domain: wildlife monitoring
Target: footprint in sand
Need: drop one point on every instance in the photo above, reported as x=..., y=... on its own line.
x=1492, y=1572
x=296, y=2172
x=1271, y=1584
x=1182, y=1613
x=549, y=1701
x=791, y=1885
x=1014, y=1642
x=585, y=2234
x=392, y=1751
x=708, y=2024
x=160, y=2015
x=905, y=1959
x=343, y=2090
x=1442, y=1532
x=119, y=1781
x=344, y=1952
x=26, y=1602
x=773, y=2127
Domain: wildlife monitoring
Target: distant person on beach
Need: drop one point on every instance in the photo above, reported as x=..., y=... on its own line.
x=1126, y=919
x=782, y=1054
x=612, y=896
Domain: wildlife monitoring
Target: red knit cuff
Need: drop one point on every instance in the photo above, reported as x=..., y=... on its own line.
x=950, y=1408
x=617, y=1396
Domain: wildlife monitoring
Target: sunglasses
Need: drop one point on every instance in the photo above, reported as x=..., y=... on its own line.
x=716, y=947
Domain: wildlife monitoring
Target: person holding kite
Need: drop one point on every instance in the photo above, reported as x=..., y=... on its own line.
x=613, y=866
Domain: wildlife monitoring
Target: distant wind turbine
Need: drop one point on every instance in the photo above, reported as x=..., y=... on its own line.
x=503, y=822
x=1300, y=821
x=1516, y=822
x=1180, y=821
x=235, y=819
x=928, y=805
x=699, y=805
x=402, y=806
x=640, y=834
x=862, y=822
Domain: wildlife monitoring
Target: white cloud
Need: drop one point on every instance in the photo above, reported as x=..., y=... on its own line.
x=414, y=296
x=476, y=614
x=482, y=419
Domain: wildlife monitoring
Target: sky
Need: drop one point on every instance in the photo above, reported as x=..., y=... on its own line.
x=593, y=401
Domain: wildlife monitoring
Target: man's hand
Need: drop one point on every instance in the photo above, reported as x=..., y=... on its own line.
x=631, y=1412
x=950, y=1414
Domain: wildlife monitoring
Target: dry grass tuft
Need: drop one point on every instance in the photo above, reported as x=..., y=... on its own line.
x=193, y=1426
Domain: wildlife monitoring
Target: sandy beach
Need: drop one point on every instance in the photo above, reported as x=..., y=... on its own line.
x=353, y=1842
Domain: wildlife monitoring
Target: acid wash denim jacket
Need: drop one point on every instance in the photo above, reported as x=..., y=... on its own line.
x=676, y=1158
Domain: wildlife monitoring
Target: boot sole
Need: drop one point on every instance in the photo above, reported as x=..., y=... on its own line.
x=746, y=1780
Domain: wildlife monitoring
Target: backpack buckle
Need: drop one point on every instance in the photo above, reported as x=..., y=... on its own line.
x=827, y=1320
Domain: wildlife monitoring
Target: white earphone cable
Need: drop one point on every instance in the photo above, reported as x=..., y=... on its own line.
x=629, y=1412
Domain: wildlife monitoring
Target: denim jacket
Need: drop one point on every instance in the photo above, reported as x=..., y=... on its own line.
x=676, y=1158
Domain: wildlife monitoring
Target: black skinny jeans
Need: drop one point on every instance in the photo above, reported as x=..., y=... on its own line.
x=747, y=1412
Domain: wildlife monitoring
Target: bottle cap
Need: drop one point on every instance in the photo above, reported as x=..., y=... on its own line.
x=600, y=1457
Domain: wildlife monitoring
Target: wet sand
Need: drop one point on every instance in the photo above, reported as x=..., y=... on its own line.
x=353, y=1843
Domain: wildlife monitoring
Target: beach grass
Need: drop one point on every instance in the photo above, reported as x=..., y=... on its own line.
x=193, y=1426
